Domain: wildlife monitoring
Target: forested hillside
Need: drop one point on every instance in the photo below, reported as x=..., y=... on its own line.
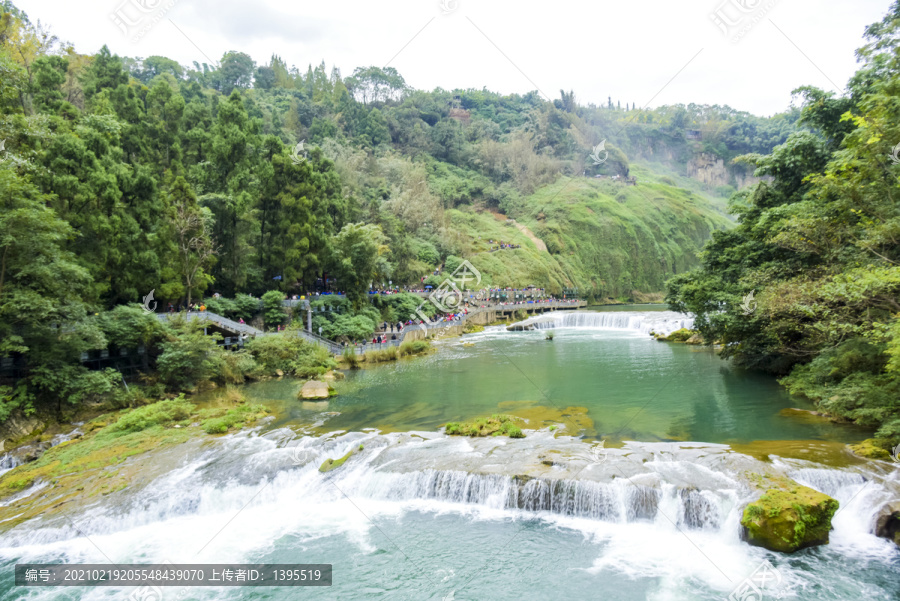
x=122, y=175
x=819, y=249
x=187, y=180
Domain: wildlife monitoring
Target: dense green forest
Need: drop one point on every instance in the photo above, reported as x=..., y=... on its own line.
x=819, y=248
x=121, y=175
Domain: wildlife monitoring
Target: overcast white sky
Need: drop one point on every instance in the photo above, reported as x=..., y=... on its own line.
x=626, y=49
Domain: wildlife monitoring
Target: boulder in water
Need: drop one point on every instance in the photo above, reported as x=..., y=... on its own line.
x=887, y=524
x=314, y=390
x=788, y=517
x=682, y=335
x=872, y=448
x=29, y=452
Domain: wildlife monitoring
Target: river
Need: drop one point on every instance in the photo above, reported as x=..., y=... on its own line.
x=629, y=484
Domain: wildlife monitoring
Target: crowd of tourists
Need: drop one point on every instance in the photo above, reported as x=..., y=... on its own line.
x=502, y=245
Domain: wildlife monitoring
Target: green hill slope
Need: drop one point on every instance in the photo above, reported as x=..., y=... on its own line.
x=605, y=238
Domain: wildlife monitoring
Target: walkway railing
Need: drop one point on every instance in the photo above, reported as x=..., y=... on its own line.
x=337, y=349
x=223, y=322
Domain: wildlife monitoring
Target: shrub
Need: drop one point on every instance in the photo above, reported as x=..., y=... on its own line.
x=246, y=306
x=189, y=356
x=273, y=308
x=291, y=354
x=349, y=357
x=351, y=327
x=222, y=306
x=414, y=347
x=238, y=366
x=157, y=414
x=382, y=355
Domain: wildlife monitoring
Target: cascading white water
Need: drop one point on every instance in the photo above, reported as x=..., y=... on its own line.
x=860, y=496
x=649, y=524
x=661, y=322
x=618, y=501
x=8, y=462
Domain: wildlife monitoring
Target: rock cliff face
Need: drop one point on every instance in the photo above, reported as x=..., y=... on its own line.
x=712, y=171
x=18, y=426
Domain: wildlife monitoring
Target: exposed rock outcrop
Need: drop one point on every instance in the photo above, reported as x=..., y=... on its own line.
x=17, y=427
x=887, y=524
x=314, y=390
x=713, y=172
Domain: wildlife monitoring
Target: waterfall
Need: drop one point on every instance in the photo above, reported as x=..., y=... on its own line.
x=16, y=458
x=860, y=497
x=8, y=462
x=421, y=495
x=618, y=501
x=661, y=322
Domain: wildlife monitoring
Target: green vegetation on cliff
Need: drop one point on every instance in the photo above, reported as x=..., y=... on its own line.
x=605, y=238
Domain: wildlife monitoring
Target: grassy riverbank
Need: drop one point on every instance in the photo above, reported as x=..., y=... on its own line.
x=111, y=438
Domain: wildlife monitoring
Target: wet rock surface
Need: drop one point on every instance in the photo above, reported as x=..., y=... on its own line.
x=789, y=517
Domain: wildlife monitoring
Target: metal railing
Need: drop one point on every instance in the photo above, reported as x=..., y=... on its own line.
x=336, y=348
x=223, y=322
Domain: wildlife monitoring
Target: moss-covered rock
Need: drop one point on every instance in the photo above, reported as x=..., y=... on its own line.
x=872, y=448
x=682, y=335
x=333, y=464
x=788, y=517
x=314, y=389
x=496, y=425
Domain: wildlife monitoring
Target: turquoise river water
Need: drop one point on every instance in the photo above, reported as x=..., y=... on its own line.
x=629, y=484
